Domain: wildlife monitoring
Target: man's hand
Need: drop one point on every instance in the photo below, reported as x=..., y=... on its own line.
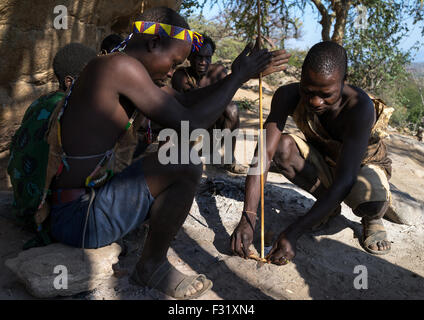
x=283, y=250
x=250, y=63
x=278, y=62
x=242, y=237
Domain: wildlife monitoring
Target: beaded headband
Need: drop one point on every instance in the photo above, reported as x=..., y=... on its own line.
x=147, y=27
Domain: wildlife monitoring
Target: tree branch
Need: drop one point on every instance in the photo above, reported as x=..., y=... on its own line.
x=326, y=20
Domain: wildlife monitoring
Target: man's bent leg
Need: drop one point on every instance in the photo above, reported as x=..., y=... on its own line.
x=294, y=167
x=301, y=172
x=369, y=199
x=374, y=234
x=173, y=187
x=230, y=119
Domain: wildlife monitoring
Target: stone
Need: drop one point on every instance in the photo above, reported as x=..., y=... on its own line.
x=29, y=42
x=60, y=270
x=404, y=209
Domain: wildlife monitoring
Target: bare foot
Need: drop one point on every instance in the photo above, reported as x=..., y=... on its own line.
x=236, y=168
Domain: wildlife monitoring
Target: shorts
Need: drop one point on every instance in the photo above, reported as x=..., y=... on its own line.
x=118, y=207
x=371, y=184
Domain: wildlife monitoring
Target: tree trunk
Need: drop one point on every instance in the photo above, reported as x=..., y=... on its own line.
x=341, y=9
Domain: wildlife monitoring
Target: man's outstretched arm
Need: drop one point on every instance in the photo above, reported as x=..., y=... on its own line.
x=189, y=99
x=134, y=82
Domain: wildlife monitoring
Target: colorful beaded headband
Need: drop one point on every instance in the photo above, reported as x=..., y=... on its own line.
x=147, y=27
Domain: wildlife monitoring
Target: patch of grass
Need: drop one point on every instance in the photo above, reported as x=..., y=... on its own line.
x=247, y=104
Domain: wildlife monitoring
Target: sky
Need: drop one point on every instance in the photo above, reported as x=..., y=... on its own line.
x=311, y=32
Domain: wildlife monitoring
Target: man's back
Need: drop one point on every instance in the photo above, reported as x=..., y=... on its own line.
x=94, y=119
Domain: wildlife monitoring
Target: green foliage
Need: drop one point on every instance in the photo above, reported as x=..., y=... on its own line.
x=278, y=20
x=188, y=7
x=228, y=49
x=414, y=103
x=228, y=45
x=375, y=58
x=376, y=61
x=297, y=57
x=407, y=99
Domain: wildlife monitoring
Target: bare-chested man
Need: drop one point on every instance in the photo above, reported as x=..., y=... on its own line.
x=202, y=73
x=98, y=194
x=342, y=158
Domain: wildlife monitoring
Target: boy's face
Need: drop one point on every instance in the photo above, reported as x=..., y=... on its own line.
x=201, y=60
x=165, y=59
x=321, y=91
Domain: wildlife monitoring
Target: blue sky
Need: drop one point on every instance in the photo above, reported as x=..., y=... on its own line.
x=311, y=32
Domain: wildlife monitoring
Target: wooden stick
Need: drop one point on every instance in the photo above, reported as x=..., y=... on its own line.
x=255, y=257
x=261, y=140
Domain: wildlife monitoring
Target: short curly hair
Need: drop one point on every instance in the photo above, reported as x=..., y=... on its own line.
x=325, y=58
x=70, y=60
x=110, y=42
x=206, y=40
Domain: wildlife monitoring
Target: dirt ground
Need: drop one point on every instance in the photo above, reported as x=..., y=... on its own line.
x=326, y=260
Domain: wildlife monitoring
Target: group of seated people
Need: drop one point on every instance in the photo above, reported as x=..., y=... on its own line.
x=103, y=193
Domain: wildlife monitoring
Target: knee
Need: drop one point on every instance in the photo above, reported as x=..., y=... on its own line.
x=232, y=113
x=284, y=151
x=191, y=172
x=372, y=210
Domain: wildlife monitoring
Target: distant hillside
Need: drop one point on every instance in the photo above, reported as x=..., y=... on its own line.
x=417, y=69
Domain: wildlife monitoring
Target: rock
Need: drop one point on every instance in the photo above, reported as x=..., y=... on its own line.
x=29, y=42
x=382, y=124
x=404, y=209
x=60, y=270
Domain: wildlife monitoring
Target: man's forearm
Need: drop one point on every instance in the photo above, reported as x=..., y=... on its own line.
x=323, y=207
x=191, y=98
x=209, y=107
x=253, y=185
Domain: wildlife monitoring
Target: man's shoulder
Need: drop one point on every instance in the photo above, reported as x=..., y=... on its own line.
x=116, y=62
x=217, y=70
x=180, y=78
x=181, y=71
x=290, y=88
x=360, y=107
x=114, y=71
x=285, y=100
x=358, y=99
x=288, y=92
